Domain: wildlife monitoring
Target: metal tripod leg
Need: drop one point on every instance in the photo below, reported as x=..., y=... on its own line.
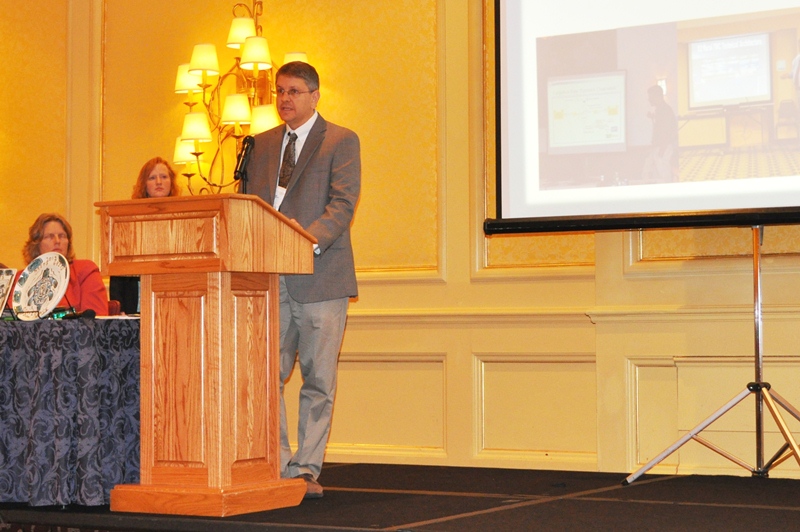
x=688, y=436
x=785, y=404
x=776, y=415
x=790, y=442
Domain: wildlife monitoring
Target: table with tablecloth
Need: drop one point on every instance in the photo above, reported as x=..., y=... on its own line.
x=69, y=410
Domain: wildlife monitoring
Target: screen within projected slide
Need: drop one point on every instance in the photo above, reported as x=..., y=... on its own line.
x=647, y=107
x=586, y=113
x=732, y=70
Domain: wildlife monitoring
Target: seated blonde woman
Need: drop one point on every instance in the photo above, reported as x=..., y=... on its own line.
x=85, y=290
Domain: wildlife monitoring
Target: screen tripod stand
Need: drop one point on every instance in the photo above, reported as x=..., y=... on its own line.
x=764, y=395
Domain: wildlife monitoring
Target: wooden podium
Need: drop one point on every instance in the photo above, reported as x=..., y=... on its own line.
x=210, y=424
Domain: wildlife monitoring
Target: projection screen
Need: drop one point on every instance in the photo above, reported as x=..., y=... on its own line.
x=641, y=114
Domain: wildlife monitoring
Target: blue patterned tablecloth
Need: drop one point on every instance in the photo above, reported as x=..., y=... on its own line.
x=69, y=410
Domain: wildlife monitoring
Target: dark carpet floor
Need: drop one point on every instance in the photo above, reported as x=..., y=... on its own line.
x=361, y=497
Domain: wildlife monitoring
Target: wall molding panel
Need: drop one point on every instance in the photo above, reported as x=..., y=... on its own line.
x=536, y=410
x=694, y=259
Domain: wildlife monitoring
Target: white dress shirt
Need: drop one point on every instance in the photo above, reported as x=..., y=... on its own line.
x=302, y=135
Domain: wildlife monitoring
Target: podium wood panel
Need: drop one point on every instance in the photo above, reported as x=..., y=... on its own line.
x=225, y=232
x=210, y=428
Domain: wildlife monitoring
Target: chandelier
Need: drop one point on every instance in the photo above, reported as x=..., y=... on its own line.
x=222, y=105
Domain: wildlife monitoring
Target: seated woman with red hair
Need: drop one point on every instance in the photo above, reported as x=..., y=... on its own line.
x=156, y=180
x=85, y=290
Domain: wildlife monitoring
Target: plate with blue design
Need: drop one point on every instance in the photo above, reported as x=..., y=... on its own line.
x=40, y=287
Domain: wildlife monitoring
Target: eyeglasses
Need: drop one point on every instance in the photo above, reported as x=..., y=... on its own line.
x=54, y=236
x=293, y=93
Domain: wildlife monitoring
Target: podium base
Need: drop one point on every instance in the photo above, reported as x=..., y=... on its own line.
x=209, y=502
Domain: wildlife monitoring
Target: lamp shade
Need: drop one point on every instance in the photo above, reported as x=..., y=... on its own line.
x=195, y=127
x=183, y=151
x=185, y=82
x=290, y=57
x=204, y=59
x=236, y=109
x=241, y=28
x=255, y=54
x=264, y=117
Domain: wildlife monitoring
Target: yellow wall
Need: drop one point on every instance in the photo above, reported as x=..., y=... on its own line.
x=585, y=351
x=32, y=140
x=50, y=159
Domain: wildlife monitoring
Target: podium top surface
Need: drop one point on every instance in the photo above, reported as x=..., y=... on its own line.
x=216, y=232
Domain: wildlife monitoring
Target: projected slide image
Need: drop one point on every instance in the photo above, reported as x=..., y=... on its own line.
x=696, y=100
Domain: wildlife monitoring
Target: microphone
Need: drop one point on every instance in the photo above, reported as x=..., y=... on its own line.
x=72, y=314
x=240, y=173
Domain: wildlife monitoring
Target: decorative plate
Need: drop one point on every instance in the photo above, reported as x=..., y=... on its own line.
x=41, y=286
x=6, y=283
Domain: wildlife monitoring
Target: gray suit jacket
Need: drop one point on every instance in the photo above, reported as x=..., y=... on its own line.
x=321, y=195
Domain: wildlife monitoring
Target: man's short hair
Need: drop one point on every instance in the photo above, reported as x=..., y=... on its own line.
x=304, y=71
x=656, y=90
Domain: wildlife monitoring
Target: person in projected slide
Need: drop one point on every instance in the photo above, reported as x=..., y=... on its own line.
x=795, y=74
x=661, y=164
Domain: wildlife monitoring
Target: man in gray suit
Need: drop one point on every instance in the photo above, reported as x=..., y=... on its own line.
x=310, y=170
